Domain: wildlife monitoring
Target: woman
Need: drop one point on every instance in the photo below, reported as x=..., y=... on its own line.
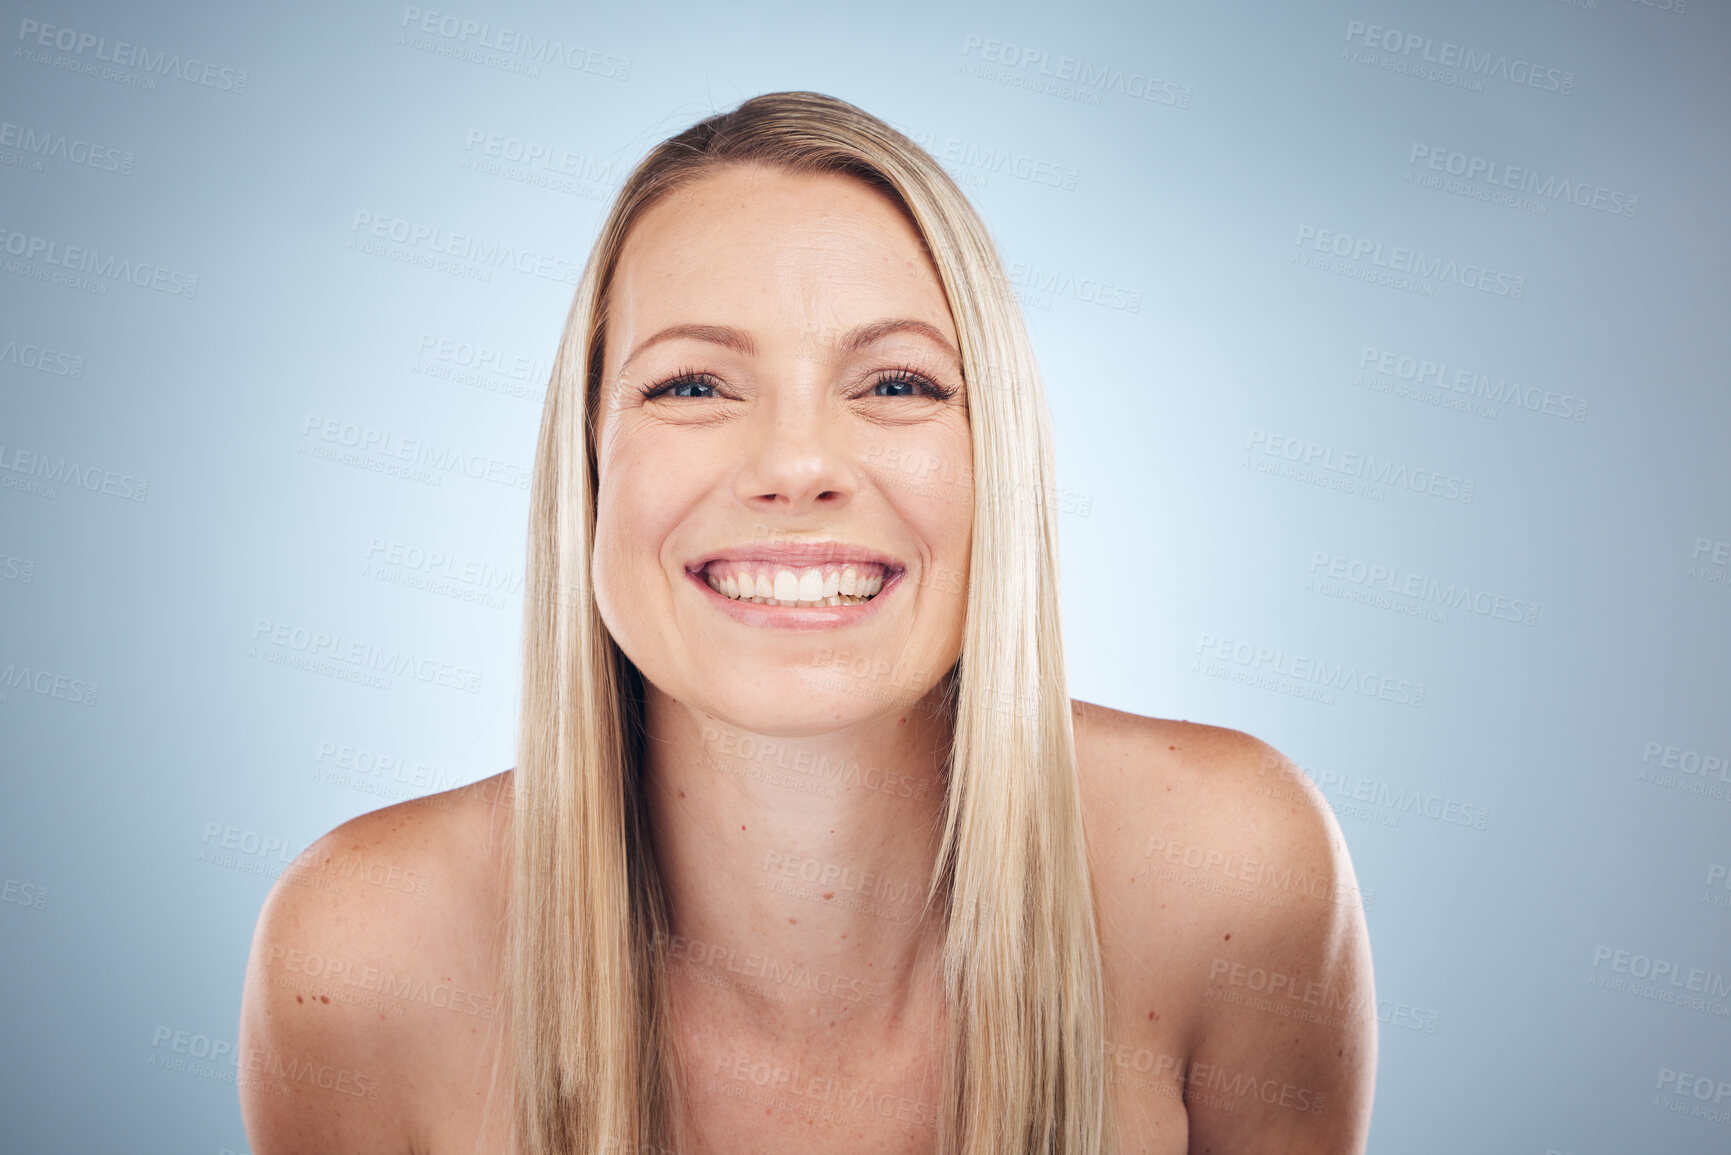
x=807, y=848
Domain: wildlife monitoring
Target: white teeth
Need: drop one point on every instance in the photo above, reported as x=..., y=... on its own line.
x=828, y=585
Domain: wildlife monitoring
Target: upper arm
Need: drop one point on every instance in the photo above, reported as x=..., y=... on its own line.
x=1284, y=1055
x=316, y=1070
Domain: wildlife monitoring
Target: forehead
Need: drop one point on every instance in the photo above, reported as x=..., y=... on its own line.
x=769, y=252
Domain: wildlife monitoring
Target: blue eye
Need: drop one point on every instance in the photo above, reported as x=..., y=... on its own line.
x=899, y=386
x=681, y=385
x=908, y=383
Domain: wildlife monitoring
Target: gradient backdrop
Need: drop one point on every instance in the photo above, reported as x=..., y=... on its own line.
x=1386, y=347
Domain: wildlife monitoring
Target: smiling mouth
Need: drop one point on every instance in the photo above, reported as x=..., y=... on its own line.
x=850, y=584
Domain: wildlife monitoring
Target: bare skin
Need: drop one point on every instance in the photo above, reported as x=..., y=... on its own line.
x=794, y=775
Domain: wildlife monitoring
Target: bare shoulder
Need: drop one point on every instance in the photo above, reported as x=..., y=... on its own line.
x=372, y=951
x=1210, y=800
x=1229, y=902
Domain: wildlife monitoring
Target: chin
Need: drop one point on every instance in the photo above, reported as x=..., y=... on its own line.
x=797, y=703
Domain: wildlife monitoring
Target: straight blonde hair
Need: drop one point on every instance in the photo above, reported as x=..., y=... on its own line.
x=585, y=962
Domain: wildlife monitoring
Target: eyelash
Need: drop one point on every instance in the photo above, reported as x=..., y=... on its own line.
x=904, y=373
x=682, y=377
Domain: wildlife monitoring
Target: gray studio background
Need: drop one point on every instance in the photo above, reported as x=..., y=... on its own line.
x=1386, y=347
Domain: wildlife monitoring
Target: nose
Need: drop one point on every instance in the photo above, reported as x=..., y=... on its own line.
x=796, y=461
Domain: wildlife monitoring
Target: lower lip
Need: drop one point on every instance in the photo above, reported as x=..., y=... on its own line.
x=795, y=617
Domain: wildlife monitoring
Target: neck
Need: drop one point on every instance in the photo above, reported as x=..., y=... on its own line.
x=796, y=868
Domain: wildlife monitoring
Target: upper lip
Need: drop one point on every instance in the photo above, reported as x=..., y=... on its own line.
x=798, y=554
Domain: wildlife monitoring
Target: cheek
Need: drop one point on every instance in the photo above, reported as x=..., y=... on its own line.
x=928, y=481
x=638, y=505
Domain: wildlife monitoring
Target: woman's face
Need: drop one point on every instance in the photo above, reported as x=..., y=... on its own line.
x=781, y=415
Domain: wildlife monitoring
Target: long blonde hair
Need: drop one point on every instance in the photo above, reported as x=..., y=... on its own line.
x=585, y=967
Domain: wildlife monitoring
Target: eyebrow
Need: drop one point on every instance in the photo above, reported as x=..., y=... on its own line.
x=740, y=341
x=725, y=335
x=876, y=331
